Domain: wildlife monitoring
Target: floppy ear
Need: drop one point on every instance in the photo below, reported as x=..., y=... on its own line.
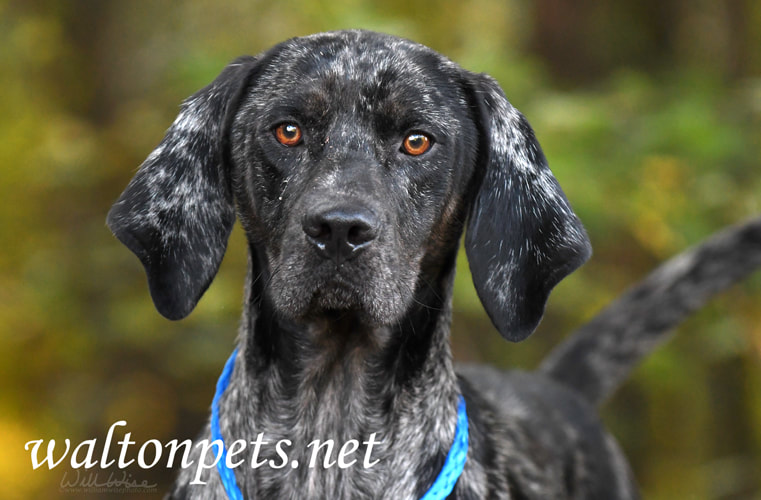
x=522, y=236
x=177, y=212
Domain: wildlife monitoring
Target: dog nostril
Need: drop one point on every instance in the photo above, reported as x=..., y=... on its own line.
x=360, y=234
x=316, y=229
x=354, y=233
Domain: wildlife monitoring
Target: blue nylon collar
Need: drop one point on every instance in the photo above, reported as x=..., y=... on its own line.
x=441, y=488
x=225, y=473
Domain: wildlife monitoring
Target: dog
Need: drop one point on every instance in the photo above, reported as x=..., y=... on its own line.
x=355, y=161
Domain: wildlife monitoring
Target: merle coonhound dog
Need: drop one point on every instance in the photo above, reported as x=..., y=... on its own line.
x=354, y=162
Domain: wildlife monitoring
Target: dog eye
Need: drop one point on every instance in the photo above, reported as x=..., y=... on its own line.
x=416, y=144
x=288, y=134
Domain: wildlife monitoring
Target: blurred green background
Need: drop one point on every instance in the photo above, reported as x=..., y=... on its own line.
x=649, y=112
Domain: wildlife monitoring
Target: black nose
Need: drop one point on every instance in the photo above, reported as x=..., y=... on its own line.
x=340, y=233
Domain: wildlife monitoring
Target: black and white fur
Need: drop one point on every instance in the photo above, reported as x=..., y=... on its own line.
x=340, y=348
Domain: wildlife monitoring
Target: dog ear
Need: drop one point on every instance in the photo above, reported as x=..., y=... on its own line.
x=177, y=212
x=522, y=236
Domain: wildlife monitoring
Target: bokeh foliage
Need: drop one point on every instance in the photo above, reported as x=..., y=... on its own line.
x=650, y=114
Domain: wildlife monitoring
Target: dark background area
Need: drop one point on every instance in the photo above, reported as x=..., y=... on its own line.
x=649, y=112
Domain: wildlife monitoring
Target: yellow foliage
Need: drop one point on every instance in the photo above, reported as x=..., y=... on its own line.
x=17, y=478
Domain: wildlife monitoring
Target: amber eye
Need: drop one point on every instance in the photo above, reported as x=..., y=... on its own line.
x=416, y=144
x=288, y=134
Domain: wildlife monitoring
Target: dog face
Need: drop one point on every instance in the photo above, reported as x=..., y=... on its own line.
x=353, y=159
x=367, y=184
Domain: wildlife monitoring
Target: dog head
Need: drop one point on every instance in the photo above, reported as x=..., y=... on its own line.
x=352, y=160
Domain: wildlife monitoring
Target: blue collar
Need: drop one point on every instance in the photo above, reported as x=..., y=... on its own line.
x=441, y=488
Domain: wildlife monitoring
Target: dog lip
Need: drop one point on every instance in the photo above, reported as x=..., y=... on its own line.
x=334, y=298
x=342, y=277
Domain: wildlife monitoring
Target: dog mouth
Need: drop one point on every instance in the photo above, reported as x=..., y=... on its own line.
x=340, y=292
x=367, y=292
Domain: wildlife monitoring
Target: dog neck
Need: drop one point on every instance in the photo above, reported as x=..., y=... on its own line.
x=338, y=378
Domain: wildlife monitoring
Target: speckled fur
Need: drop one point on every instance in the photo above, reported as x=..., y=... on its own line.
x=341, y=352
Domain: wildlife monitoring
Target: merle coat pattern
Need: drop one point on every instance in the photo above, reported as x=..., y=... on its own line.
x=352, y=244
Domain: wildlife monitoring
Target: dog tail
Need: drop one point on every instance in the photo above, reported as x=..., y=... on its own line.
x=599, y=356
